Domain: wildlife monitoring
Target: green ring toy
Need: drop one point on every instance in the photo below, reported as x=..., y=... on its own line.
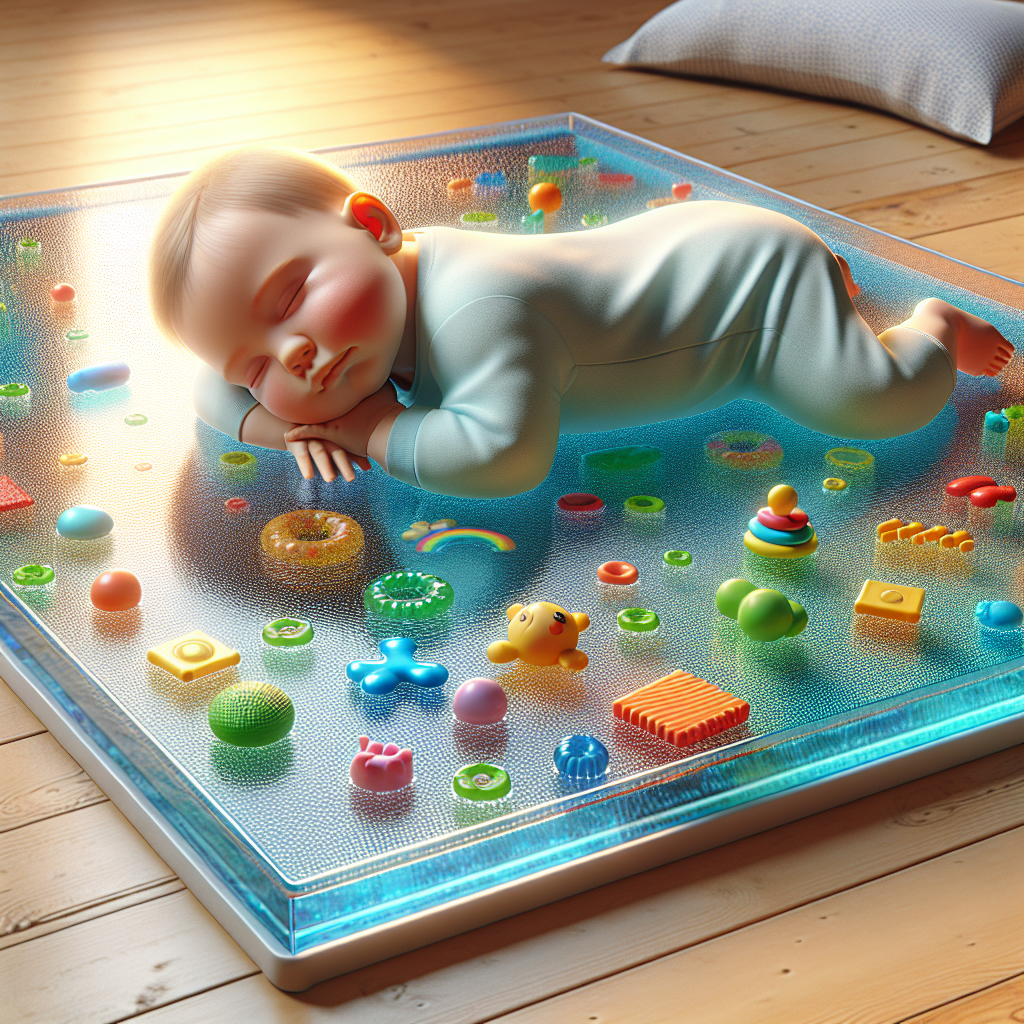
x=408, y=595
x=135, y=419
x=288, y=633
x=677, y=558
x=76, y=334
x=638, y=620
x=237, y=460
x=28, y=244
x=14, y=390
x=251, y=714
x=33, y=576
x=644, y=503
x=482, y=782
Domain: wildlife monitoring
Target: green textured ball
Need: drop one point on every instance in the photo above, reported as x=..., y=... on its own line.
x=730, y=594
x=251, y=714
x=765, y=615
x=799, y=619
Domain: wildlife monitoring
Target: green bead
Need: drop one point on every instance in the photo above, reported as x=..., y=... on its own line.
x=135, y=419
x=251, y=714
x=638, y=620
x=408, y=595
x=799, y=619
x=644, y=503
x=76, y=334
x=481, y=782
x=33, y=576
x=765, y=615
x=237, y=459
x=288, y=633
x=730, y=594
x=14, y=390
x=678, y=558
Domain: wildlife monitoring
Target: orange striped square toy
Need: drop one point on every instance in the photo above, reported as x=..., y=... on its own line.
x=681, y=709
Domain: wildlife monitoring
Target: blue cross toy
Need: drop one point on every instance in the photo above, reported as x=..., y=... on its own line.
x=398, y=666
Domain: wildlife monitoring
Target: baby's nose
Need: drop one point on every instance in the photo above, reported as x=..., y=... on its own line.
x=297, y=355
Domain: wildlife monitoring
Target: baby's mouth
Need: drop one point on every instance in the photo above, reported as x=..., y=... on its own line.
x=329, y=374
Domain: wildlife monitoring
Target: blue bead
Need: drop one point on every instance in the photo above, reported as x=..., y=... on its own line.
x=101, y=377
x=398, y=666
x=581, y=757
x=997, y=421
x=790, y=538
x=1002, y=615
x=82, y=522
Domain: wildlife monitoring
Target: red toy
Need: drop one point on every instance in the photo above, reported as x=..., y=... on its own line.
x=12, y=496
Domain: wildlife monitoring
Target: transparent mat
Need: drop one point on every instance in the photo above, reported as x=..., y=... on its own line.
x=311, y=856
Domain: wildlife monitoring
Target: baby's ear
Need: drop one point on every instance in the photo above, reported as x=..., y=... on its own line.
x=367, y=211
x=513, y=611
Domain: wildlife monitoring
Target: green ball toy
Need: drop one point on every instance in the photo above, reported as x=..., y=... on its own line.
x=251, y=714
x=730, y=594
x=764, y=615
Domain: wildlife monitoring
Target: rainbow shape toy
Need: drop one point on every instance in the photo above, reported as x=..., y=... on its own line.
x=681, y=709
x=439, y=538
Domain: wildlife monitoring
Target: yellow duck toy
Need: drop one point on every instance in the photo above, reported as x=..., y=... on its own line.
x=542, y=633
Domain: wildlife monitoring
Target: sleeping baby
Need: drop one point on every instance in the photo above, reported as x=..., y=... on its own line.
x=455, y=359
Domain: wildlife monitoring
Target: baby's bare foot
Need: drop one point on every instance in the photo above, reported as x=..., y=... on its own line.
x=977, y=347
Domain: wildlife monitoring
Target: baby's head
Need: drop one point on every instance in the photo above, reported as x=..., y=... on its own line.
x=274, y=269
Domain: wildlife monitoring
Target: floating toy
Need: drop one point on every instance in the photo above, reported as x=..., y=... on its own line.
x=379, y=768
x=408, y=595
x=62, y=293
x=236, y=505
x=533, y=223
x=745, y=450
x=288, y=633
x=312, y=538
x=482, y=783
x=681, y=709
x=15, y=390
x=982, y=491
x=136, y=419
x=797, y=540
x=116, y=590
x=83, y=522
x=677, y=559
x=397, y=666
x=1001, y=615
x=833, y=484
x=421, y=528
x=490, y=183
x=581, y=757
x=438, y=539
x=460, y=187
x=478, y=219
x=542, y=633
x=28, y=245
x=889, y=601
x=594, y=219
x=619, y=574
x=251, y=714
x=76, y=335
x=615, y=181
x=546, y=196
x=73, y=459
x=895, y=529
x=193, y=656
x=580, y=501
x=101, y=377
x=556, y=169
x=480, y=702
x=764, y=615
x=142, y=467
x=681, y=191
x=638, y=620
x=12, y=496
x=998, y=422
x=622, y=460
x=238, y=460
x=33, y=576
x=643, y=504
x=852, y=460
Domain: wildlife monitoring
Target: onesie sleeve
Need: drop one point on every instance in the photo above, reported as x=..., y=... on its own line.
x=502, y=369
x=219, y=404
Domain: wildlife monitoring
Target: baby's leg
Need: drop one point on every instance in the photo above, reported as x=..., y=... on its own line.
x=974, y=344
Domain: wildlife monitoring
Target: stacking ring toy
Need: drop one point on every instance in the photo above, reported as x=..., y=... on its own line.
x=580, y=502
x=408, y=595
x=644, y=503
x=743, y=449
x=581, y=757
x=237, y=460
x=678, y=558
x=312, y=537
x=853, y=460
x=619, y=573
x=638, y=620
x=482, y=782
x=833, y=483
x=288, y=633
x=33, y=576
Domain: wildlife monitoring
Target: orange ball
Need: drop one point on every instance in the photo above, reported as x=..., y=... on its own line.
x=546, y=196
x=116, y=590
x=62, y=292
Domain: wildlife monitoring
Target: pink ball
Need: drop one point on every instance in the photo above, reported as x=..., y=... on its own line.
x=480, y=702
x=681, y=191
x=62, y=293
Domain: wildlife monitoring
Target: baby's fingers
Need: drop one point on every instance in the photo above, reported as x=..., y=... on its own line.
x=300, y=451
x=341, y=460
x=322, y=458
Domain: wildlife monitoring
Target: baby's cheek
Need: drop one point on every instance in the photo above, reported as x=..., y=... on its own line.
x=360, y=308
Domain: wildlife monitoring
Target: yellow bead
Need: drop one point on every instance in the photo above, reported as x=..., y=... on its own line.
x=890, y=602
x=192, y=656
x=782, y=499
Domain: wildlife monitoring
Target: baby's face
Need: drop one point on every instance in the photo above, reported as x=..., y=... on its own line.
x=305, y=311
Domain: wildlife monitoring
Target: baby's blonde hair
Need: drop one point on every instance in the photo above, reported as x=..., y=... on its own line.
x=254, y=177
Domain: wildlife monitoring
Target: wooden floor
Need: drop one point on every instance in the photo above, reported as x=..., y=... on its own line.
x=906, y=906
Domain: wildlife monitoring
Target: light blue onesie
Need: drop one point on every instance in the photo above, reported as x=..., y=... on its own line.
x=669, y=313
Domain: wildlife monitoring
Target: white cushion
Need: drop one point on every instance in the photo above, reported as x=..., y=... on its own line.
x=954, y=65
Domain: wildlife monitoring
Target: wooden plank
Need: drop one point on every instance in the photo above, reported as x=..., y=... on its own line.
x=508, y=964
x=72, y=863
x=16, y=721
x=975, y=201
x=999, y=243
x=1000, y=1004
x=882, y=951
x=38, y=780
x=164, y=949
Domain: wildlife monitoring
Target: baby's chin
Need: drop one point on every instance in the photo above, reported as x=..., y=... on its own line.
x=320, y=408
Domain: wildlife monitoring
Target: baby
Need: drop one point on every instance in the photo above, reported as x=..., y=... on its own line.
x=455, y=359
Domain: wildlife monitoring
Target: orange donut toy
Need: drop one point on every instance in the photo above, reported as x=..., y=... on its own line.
x=620, y=573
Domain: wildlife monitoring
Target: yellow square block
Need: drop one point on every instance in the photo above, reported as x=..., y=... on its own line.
x=192, y=656
x=889, y=601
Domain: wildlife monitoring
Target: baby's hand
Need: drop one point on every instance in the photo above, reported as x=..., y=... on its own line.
x=351, y=431
x=326, y=455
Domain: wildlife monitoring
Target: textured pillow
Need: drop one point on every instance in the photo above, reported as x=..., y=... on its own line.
x=954, y=65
